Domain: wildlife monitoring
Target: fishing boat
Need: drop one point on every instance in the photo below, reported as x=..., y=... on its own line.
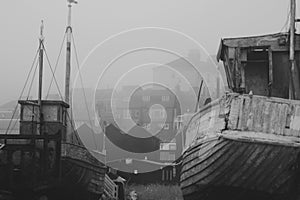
x=246, y=144
x=47, y=159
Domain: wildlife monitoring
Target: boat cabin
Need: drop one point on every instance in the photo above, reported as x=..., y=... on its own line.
x=32, y=158
x=53, y=118
x=260, y=64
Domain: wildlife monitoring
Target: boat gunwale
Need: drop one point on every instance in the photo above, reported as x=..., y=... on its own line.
x=277, y=140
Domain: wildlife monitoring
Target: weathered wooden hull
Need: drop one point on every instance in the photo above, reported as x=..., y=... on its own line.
x=242, y=147
x=237, y=167
x=81, y=171
x=28, y=173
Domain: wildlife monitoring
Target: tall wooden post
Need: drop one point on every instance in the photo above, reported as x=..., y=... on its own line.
x=294, y=79
x=68, y=58
x=68, y=74
x=40, y=86
x=270, y=84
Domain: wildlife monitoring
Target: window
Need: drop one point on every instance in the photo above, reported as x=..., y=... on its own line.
x=146, y=126
x=163, y=146
x=29, y=113
x=146, y=98
x=172, y=146
x=167, y=146
x=157, y=113
x=50, y=113
x=165, y=98
x=176, y=125
x=128, y=161
x=165, y=126
x=167, y=156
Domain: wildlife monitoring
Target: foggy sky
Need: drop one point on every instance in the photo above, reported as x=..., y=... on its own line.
x=93, y=21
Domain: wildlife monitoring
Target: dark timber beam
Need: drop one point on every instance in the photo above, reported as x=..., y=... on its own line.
x=270, y=55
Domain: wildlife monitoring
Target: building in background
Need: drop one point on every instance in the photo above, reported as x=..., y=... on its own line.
x=152, y=109
x=188, y=72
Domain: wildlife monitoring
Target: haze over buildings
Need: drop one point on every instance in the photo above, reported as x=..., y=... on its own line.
x=94, y=21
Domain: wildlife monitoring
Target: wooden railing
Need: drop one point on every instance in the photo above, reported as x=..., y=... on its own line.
x=110, y=188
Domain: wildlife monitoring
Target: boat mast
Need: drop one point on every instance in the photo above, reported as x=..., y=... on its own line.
x=40, y=87
x=68, y=55
x=68, y=69
x=294, y=84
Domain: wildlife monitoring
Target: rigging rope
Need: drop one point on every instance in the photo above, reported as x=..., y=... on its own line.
x=23, y=89
x=52, y=72
x=85, y=99
x=287, y=20
x=30, y=86
x=56, y=64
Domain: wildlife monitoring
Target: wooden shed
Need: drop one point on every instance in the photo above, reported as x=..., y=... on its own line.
x=261, y=64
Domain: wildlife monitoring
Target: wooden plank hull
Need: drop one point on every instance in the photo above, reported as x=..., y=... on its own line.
x=82, y=171
x=242, y=146
x=222, y=166
x=79, y=181
x=69, y=171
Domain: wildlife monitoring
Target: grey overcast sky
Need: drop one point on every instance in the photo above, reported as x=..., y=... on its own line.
x=207, y=21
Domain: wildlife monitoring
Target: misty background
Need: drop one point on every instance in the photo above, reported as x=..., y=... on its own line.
x=93, y=21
